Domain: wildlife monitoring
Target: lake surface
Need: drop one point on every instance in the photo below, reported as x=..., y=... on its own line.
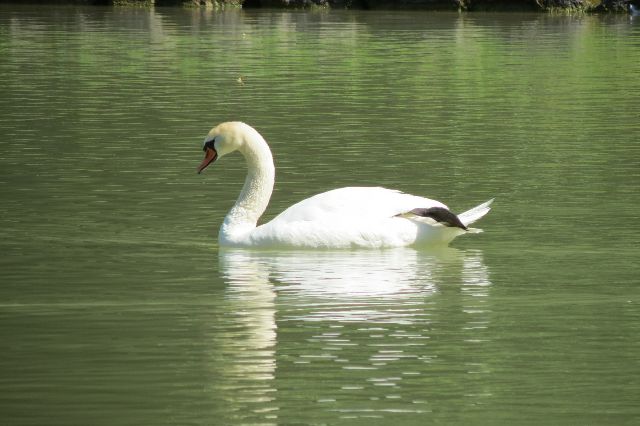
x=117, y=306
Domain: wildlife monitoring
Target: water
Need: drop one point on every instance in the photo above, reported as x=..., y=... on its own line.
x=117, y=307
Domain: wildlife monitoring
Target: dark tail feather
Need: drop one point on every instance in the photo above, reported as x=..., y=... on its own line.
x=440, y=214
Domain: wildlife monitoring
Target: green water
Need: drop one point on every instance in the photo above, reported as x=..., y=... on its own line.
x=116, y=306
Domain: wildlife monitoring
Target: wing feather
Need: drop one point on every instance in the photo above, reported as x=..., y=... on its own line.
x=355, y=202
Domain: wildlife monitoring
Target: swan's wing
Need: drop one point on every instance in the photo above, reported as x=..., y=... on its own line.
x=361, y=203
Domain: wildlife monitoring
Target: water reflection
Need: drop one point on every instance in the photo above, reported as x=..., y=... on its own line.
x=369, y=325
x=247, y=365
x=356, y=285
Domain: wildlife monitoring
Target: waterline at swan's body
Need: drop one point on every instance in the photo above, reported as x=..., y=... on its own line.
x=368, y=217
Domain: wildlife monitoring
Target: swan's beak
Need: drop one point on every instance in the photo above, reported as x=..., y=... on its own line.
x=210, y=156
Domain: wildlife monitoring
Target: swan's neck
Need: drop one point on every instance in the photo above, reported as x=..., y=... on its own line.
x=256, y=192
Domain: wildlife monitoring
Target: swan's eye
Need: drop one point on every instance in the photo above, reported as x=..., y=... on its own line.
x=209, y=145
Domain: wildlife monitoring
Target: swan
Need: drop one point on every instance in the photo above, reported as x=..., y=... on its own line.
x=351, y=217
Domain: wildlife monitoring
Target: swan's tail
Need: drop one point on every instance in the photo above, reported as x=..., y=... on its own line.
x=471, y=215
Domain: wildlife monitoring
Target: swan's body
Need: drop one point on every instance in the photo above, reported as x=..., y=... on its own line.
x=369, y=217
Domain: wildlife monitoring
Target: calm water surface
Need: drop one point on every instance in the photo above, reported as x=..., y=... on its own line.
x=117, y=307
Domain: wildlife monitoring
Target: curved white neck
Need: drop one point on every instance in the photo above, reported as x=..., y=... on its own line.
x=256, y=192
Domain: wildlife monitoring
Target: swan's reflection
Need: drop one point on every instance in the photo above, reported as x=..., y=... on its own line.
x=331, y=285
x=386, y=286
x=365, y=311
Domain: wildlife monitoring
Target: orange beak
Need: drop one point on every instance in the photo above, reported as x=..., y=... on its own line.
x=210, y=156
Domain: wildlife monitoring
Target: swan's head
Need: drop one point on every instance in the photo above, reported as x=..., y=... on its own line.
x=222, y=140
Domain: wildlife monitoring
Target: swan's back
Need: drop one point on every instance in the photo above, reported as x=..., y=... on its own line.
x=361, y=203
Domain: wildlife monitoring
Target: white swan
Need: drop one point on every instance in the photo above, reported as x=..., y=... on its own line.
x=340, y=218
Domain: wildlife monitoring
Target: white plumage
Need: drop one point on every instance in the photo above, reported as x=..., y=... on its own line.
x=370, y=217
